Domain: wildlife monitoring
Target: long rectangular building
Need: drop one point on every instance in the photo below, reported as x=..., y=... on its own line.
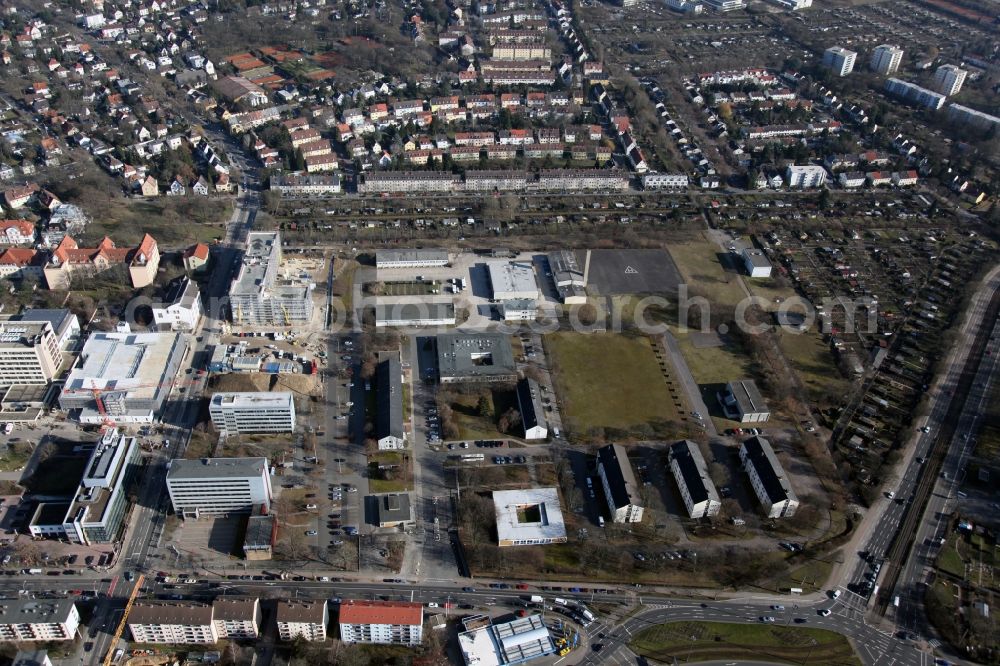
x=410, y=258
x=28, y=619
x=389, y=432
x=253, y=412
x=620, y=487
x=532, y=412
x=408, y=181
x=218, y=486
x=768, y=478
x=97, y=512
x=414, y=314
x=691, y=475
x=396, y=622
x=192, y=622
x=475, y=357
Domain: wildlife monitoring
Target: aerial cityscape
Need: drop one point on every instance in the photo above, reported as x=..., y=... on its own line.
x=488, y=332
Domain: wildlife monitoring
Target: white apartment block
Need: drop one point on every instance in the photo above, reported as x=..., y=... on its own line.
x=911, y=92
x=253, y=412
x=808, y=175
x=236, y=617
x=29, y=353
x=620, y=487
x=172, y=622
x=305, y=618
x=839, y=60
x=885, y=59
x=397, y=622
x=949, y=79
x=768, y=478
x=38, y=620
x=218, y=486
x=691, y=475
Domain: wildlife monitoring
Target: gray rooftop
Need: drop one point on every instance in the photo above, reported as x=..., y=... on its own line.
x=184, y=292
x=414, y=311
x=394, y=508
x=389, y=418
x=757, y=258
x=34, y=611
x=769, y=470
x=747, y=396
x=170, y=612
x=22, y=333
x=260, y=264
x=530, y=401
x=387, y=256
x=211, y=468
x=474, y=356
x=691, y=464
x=621, y=479
x=566, y=270
x=59, y=318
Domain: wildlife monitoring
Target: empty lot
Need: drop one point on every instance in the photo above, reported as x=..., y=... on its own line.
x=608, y=380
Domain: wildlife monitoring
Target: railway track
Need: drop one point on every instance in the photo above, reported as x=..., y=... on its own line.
x=903, y=541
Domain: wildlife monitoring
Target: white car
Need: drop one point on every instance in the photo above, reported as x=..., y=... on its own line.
x=825, y=611
x=311, y=533
x=778, y=607
x=310, y=506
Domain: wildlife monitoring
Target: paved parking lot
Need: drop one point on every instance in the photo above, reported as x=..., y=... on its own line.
x=614, y=272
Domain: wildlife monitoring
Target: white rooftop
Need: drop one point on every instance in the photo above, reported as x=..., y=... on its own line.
x=133, y=362
x=516, y=523
x=253, y=400
x=510, y=277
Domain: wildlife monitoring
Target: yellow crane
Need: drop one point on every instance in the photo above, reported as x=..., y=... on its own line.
x=121, y=623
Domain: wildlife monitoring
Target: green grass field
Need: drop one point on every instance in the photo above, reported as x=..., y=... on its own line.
x=814, y=363
x=698, y=261
x=709, y=641
x=714, y=365
x=607, y=380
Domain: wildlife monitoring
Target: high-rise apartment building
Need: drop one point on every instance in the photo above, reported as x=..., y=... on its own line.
x=885, y=59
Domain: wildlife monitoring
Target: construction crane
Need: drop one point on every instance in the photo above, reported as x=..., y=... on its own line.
x=121, y=623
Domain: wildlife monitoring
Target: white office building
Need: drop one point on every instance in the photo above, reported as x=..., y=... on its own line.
x=181, y=309
x=512, y=280
x=839, y=60
x=218, y=486
x=26, y=619
x=386, y=622
x=253, y=412
x=29, y=353
x=949, y=79
x=808, y=175
x=885, y=59
x=65, y=324
x=768, y=478
x=691, y=475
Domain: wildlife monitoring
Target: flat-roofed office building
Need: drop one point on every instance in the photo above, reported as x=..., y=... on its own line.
x=218, y=486
x=253, y=412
